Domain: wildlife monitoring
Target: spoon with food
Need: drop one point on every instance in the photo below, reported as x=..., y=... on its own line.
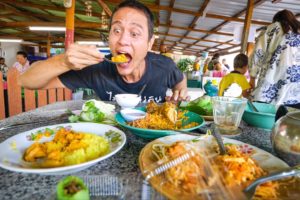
x=118, y=59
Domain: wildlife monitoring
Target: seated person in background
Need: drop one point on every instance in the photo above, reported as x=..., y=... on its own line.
x=237, y=76
x=3, y=67
x=22, y=63
x=131, y=34
x=225, y=66
x=218, y=70
x=164, y=51
x=214, y=59
x=196, y=64
x=205, y=67
x=224, y=62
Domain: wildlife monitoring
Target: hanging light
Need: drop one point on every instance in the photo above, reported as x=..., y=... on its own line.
x=88, y=8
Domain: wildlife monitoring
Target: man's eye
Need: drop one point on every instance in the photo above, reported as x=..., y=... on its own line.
x=117, y=30
x=134, y=34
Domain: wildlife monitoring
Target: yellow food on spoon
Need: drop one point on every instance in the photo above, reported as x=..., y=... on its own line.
x=121, y=58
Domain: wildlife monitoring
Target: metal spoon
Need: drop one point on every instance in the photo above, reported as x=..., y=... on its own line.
x=250, y=190
x=219, y=140
x=112, y=61
x=252, y=106
x=142, y=90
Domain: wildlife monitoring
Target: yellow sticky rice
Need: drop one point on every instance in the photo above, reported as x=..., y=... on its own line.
x=67, y=148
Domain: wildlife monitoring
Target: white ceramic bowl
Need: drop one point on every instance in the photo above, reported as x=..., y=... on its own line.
x=130, y=114
x=127, y=100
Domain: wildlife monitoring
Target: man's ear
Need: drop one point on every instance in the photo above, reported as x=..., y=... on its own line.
x=151, y=42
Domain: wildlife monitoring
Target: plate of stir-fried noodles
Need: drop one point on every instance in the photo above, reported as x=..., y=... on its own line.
x=207, y=172
x=161, y=120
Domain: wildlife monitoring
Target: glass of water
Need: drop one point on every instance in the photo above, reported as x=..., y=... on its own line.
x=227, y=113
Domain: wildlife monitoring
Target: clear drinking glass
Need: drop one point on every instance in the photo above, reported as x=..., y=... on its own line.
x=228, y=112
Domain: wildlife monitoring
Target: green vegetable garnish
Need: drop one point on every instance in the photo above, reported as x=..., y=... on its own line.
x=113, y=136
x=72, y=188
x=201, y=106
x=95, y=111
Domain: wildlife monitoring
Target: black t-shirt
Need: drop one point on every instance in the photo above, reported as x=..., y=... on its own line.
x=161, y=73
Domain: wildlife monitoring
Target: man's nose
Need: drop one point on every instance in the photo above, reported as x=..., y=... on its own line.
x=124, y=38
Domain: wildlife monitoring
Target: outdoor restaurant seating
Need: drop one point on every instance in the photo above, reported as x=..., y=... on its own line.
x=15, y=100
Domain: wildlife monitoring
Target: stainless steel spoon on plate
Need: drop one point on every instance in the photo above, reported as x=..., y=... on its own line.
x=250, y=190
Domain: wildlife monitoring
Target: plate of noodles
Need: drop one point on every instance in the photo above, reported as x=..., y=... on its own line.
x=161, y=120
x=205, y=171
x=60, y=149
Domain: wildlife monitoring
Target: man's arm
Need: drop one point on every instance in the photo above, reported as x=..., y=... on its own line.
x=180, y=91
x=44, y=74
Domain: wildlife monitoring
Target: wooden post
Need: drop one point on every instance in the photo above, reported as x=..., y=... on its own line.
x=247, y=24
x=13, y=92
x=48, y=46
x=250, y=48
x=70, y=13
x=2, y=105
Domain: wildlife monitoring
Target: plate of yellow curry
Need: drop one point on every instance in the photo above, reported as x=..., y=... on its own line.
x=161, y=120
x=60, y=149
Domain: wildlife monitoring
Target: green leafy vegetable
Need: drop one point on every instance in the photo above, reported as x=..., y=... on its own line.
x=95, y=111
x=201, y=106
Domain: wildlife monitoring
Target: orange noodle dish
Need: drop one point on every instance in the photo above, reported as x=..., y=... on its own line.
x=163, y=117
x=233, y=170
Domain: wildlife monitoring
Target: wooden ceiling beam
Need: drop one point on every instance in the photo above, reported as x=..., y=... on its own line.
x=41, y=6
x=151, y=6
x=79, y=24
x=224, y=51
x=169, y=21
x=43, y=39
x=156, y=8
x=189, y=29
x=242, y=12
x=192, y=38
x=15, y=10
x=105, y=7
x=43, y=16
x=197, y=45
x=193, y=23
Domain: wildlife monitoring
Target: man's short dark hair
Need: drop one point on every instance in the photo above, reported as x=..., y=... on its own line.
x=22, y=53
x=240, y=61
x=1, y=58
x=141, y=7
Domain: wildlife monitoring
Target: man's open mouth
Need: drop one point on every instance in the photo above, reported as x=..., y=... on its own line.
x=128, y=56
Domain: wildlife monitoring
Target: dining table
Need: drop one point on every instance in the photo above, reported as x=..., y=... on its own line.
x=123, y=165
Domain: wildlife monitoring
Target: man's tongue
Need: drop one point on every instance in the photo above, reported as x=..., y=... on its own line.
x=128, y=57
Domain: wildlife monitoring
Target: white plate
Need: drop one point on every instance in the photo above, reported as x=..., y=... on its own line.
x=14, y=147
x=265, y=160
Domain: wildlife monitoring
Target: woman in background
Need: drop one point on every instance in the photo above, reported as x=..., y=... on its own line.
x=276, y=61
